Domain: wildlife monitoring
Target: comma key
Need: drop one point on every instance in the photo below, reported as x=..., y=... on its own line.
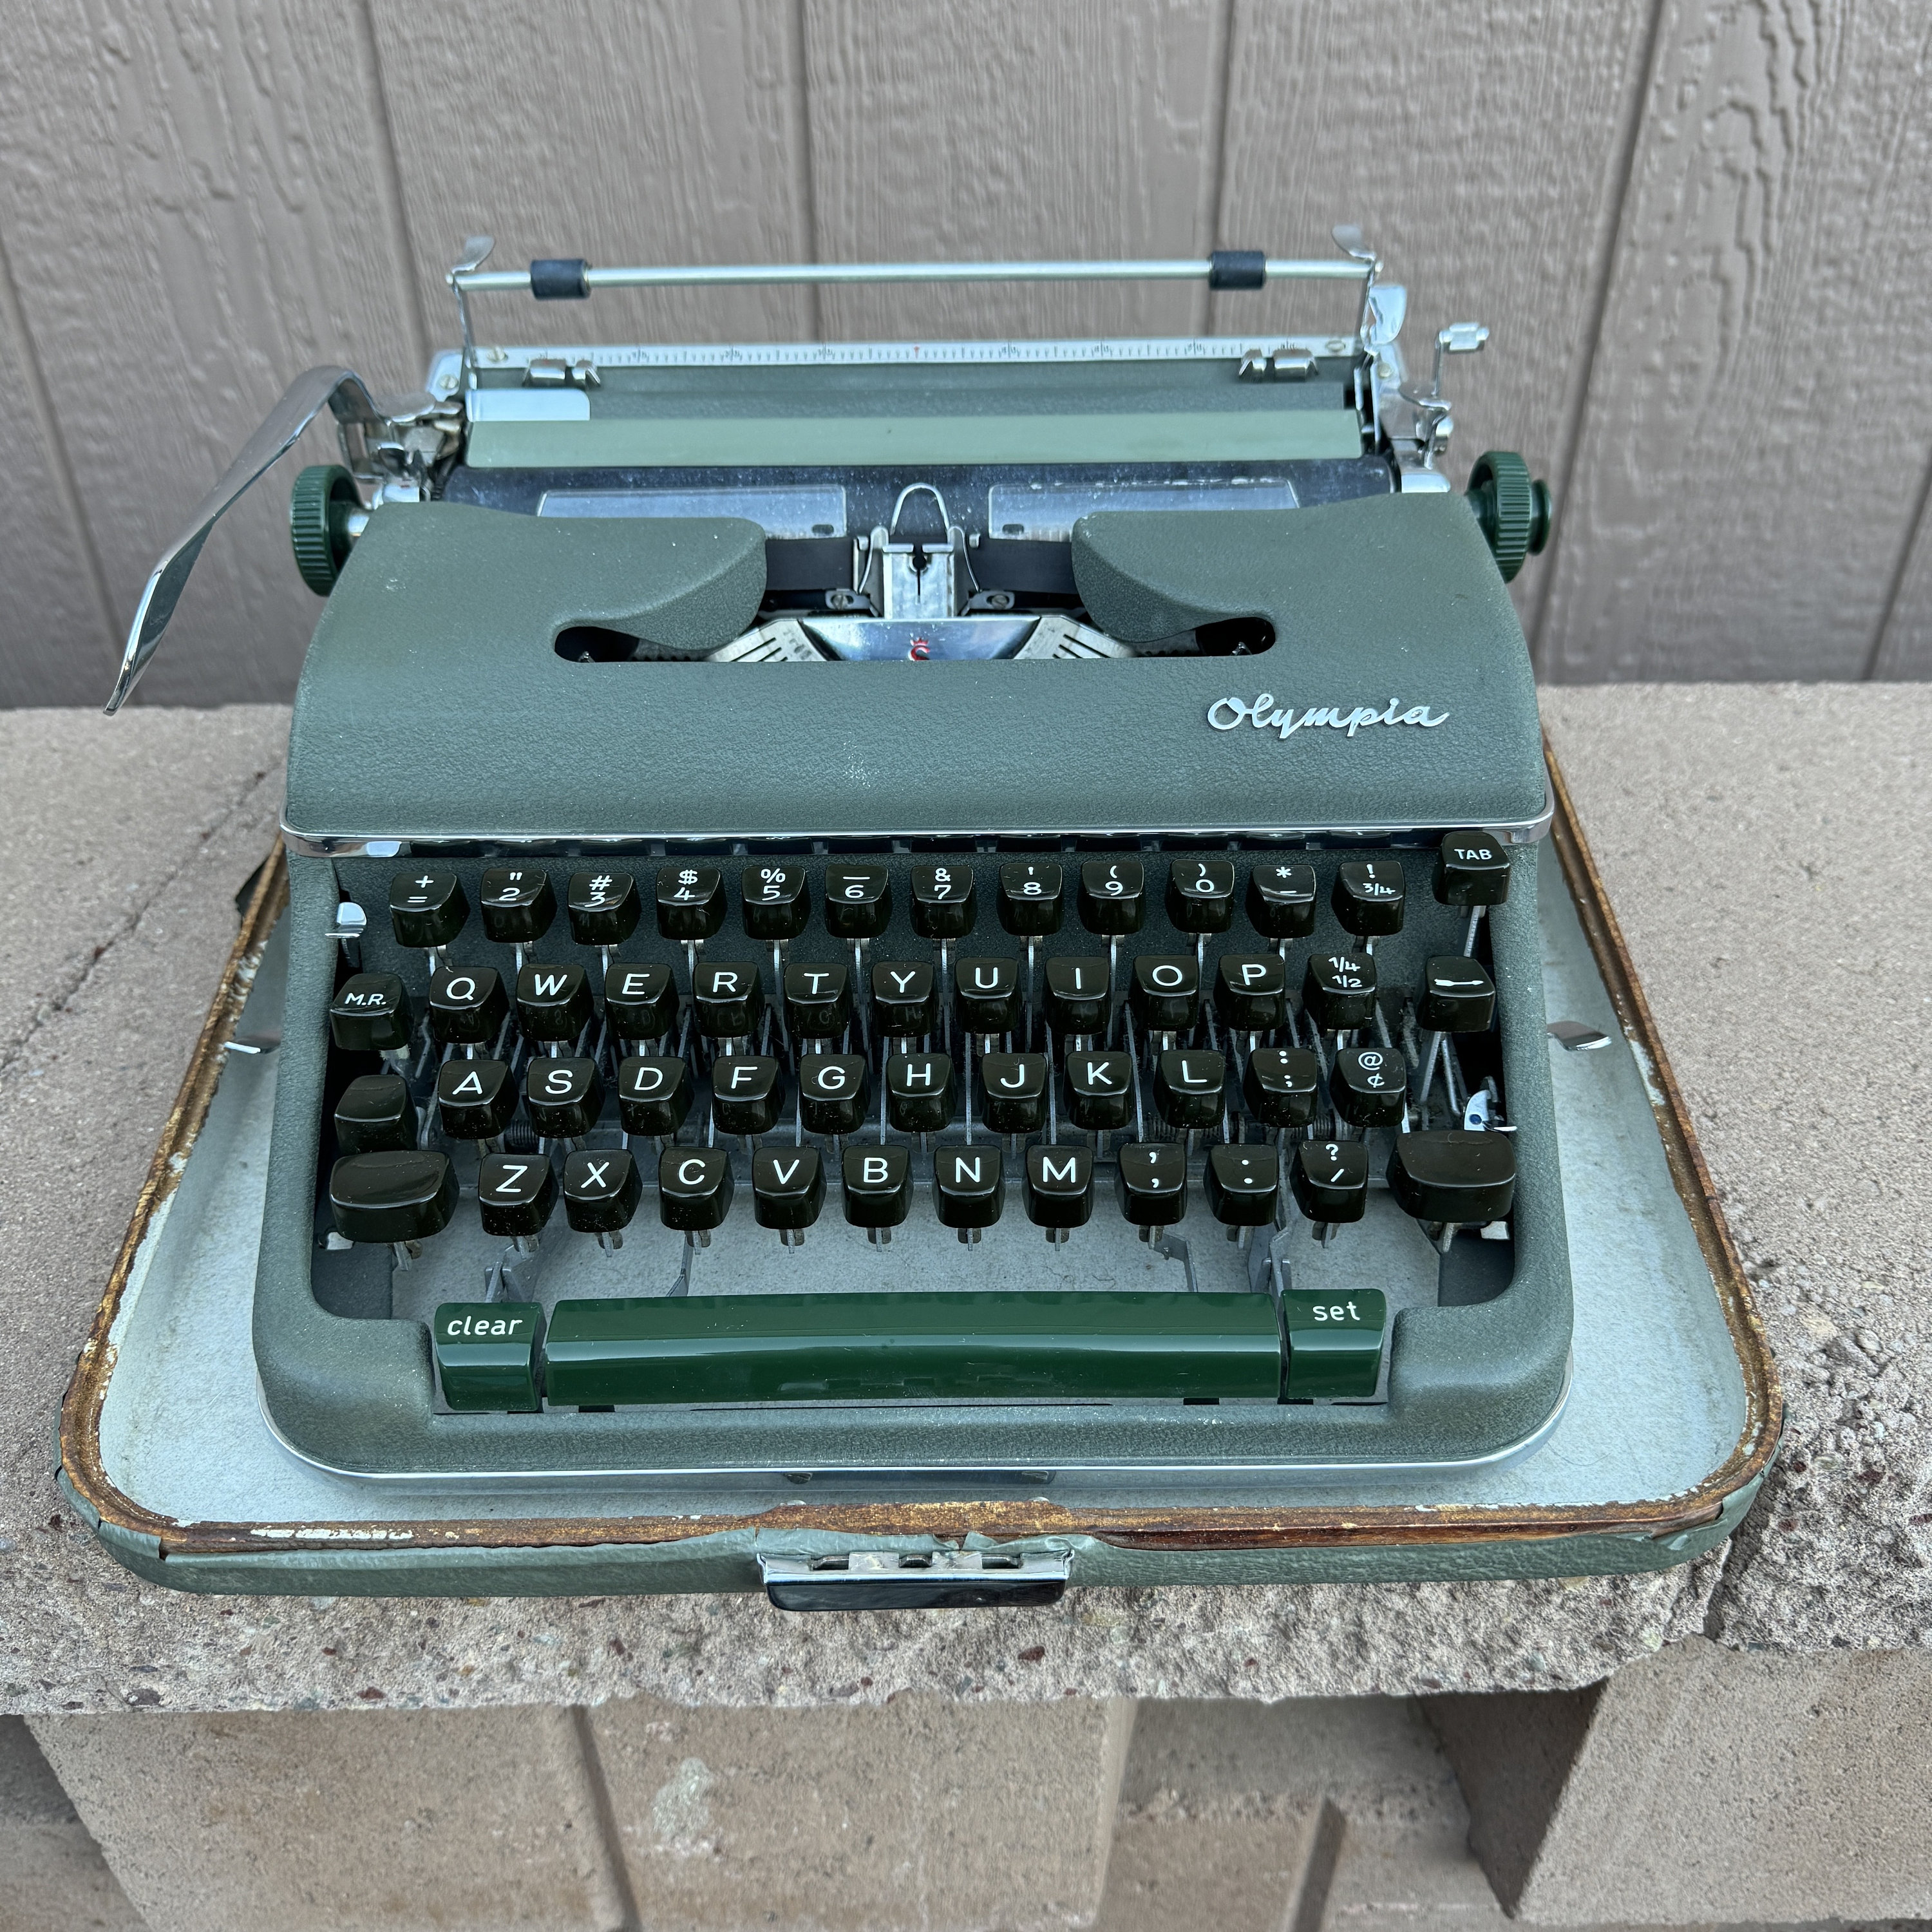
x=1153, y=1184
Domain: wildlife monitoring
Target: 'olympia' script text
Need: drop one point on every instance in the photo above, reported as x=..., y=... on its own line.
x=1225, y=713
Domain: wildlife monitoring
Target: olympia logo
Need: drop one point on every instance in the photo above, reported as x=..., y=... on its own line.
x=1226, y=714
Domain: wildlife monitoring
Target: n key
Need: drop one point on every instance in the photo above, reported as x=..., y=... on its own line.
x=968, y=1189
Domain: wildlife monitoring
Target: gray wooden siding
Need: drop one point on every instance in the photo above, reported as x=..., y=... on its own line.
x=1700, y=231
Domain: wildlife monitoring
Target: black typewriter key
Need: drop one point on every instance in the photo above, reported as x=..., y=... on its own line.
x=475, y=1099
x=690, y=901
x=988, y=992
x=604, y=906
x=1471, y=869
x=1201, y=894
x=1031, y=901
x=517, y=1193
x=919, y=1094
x=1281, y=900
x=518, y=904
x=1456, y=1179
x=1154, y=1183
x=553, y=1002
x=562, y=1097
x=375, y=1113
x=1013, y=1090
x=969, y=1188
x=818, y=1001
x=787, y=1188
x=730, y=999
x=1242, y=1182
x=427, y=906
x=1330, y=1179
x=641, y=1002
x=745, y=1091
x=601, y=1189
x=1078, y=995
x=877, y=1188
x=1113, y=896
x=1187, y=1087
x=1457, y=996
x=653, y=1095
x=1279, y=1086
x=1339, y=990
x=777, y=901
x=1369, y=1086
x=391, y=1196
x=858, y=901
x=370, y=1014
x=694, y=1189
x=942, y=903
x=1099, y=1091
x=1166, y=993
x=832, y=1092
x=902, y=1000
x=1059, y=1189
x=467, y=1005
x=1369, y=897
x=1251, y=991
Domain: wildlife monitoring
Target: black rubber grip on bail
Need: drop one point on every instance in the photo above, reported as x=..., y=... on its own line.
x=1235, y=268
x=562, y=281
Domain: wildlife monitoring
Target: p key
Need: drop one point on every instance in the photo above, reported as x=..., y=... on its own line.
x=1251, y=991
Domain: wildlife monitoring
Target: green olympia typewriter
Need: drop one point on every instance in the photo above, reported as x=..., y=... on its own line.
x=914, y=927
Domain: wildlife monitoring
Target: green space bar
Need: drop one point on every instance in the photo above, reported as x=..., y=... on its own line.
x=1012, y=1347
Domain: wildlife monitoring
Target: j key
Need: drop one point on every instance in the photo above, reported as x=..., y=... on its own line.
x=391, y=1196
x=1339, y=990
x=553, y=1002
x=1013, y=1092
x=1369, y=1086
x=1031, y=899
x=1471, y=869
x=370, y=1014
x=1330, y=1179
x=902, y=1000
x=1099, y=1091
x=832, y=1092
x=518, y=904
x=1154, y=1183
x=1370, y=896
x=1113, y=896
x=730, y=1000
x=467, y=1005
x=475, y=1099
x=640, y=1001
x=693, y=1188
x=605, y=908
x=653, y=1095
x=1241, y=1183
x=943, y=906
x=1201, y=894
x=1187, y=1087
x=919, y=1092
x=516, y=1192
x=601, y=1189
x=1059, y=1187
x=818, y=1001
x=690, y=901
x=1465, y=1180
x=1251, y=991
x=1078, y=995
x=777, y=901
x=746, y=1093
x=858, y=901
x=1166, y=993
x=375, y=1112
x=562, y=1097
x=427, y=906
x=969, y=1186
x=989, y=995
x=1457, y=996
x=1281, y=900
x=787, y=1187
x=1279, y=1086
x=878, y=1185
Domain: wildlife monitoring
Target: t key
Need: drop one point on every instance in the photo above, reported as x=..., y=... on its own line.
x=370, y=1014
x=1281, y=900
x=745, y=1091
x=467, y=1005
x=1113, y=896
x=518, y=904
x=475, y=1099
x=858, y=901
x=563, y=1097
x=989, y=995
x=517, y=1193
x=942, y=901
x=777, y=902
x=832, y=1092
x=604, y=909
x=818, y=1001
x=427, y=906
x=1031, y=899
x=1201, y=894
x=375, y=1113
x=690, y=900
x=1370, y=896
x=653, y=1095
x=1013, y=1092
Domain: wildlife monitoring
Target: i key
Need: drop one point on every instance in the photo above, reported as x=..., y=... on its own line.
x=467, y=1006
x=1154, y=1186
x=1013, y=1092
x=641, y=1002
x=517, y=906
x=517, y=1193
x=787, y=1191
x=1369, y=897
x=427, y=909
x=374, y=1113
x=877, y=1190
x=562, y=1097
x=1078, y=995
x=969, y=1190
x=475, y=1099
x=552, y=1005
x=745, y=1094
x=1281, y=900
x=601, y=1189
x=653, y=1096
x=370, y=1014
x=1059, y=1189
x=831, y=1092
x=1330, y=1181
x=1243, y=1181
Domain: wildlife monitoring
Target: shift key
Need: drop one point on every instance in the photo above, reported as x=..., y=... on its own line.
x=1335, y=1342
x=486, y=1353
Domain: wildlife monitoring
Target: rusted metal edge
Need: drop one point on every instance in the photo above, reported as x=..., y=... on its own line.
x=1192, y=1527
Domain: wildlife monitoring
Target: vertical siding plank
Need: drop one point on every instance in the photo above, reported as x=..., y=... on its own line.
x=1904, y=646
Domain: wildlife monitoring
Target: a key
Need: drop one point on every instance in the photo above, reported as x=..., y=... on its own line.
x=1251, y=991
x=467, y=1005
x=1113, y=896
x=1330, y=1179
x=969, y=1189
x=690, y=900
x=1454, y=1179
x=988, y=992
x=919, y=1092
x=1187, y=1087
x=427, y=906
x=1154, y=1183
x=776, y=900
x=391, y=1196
x=1338, y=991
x=1471, y=869
x=641, y=1002
x=1334, y=1342
x=1013, y=1088
x=1279, y=1085
x=694, y=1188
x=653, y=1095
x=746, y=1091
x=475, y=1099
x=1457, y=996
x=601, y=1189
x=1099, y=1091
x=877, y=1190
x=553, y=1002
x=1369, y=897
x=818, y=1001
x=1201, y=894
x=375, y=1113
x=1242, y=1182
x=518, y=904
x=1078, y=995
x=943, y=905
x=787, y=1190
x=902, y=1000
x=1032, y=898
x=1369, y=1086
x=729, y=999
x=831, y=1092
x=487, y=1353
x=1166, y=992
x=517, y=1193
x=1281, y=899
x=858, y=901
x=370, y=1014
x=562, y=1097
x=1059, y=1189
x=604, y=906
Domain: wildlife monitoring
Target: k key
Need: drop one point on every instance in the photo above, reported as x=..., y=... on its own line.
x=1099, y=1091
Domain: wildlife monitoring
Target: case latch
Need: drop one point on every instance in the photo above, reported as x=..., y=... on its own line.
x=915, y=1580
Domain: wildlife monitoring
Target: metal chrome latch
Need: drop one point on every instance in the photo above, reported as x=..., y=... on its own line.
x=915, y=1580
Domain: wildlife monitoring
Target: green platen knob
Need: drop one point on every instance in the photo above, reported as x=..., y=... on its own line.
x=320, y=508
x=1514, y=510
